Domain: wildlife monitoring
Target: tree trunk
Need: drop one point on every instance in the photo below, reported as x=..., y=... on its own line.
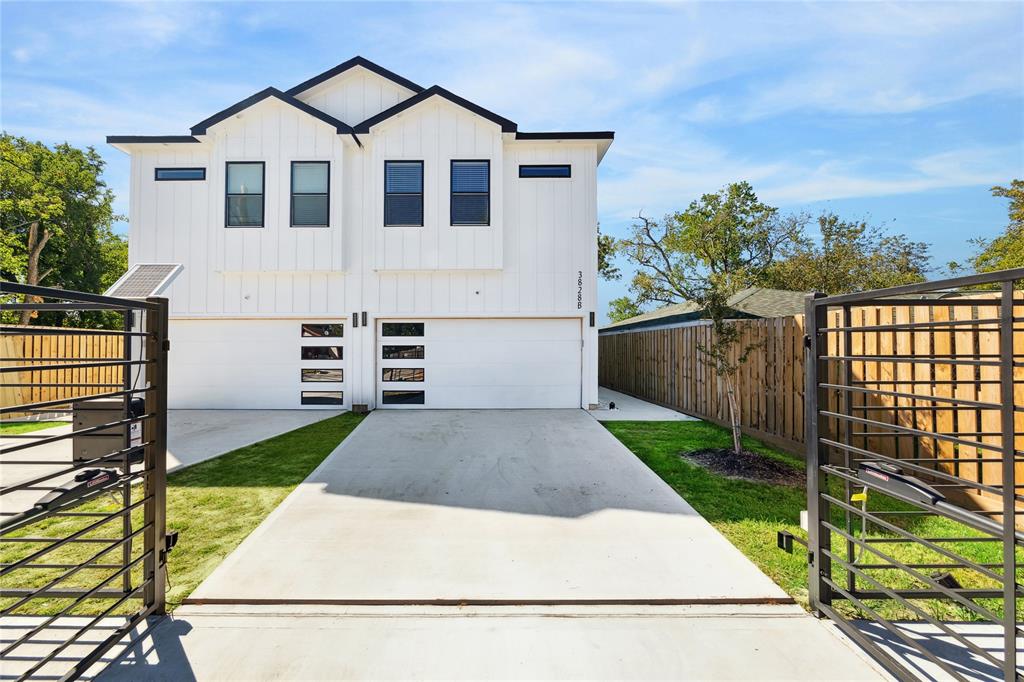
x=32, y=277
x=734, y=416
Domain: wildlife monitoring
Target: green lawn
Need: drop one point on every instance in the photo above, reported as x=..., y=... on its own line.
x=214, y=504
x=749, y=514
x=17, y=428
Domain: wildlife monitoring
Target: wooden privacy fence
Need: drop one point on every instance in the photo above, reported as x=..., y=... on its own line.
x=40, y=348
x=665, y=366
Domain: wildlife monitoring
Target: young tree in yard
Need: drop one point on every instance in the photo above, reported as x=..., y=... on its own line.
x=720, y=244
x=852, y=256
x=55, y=217
x=605, y=251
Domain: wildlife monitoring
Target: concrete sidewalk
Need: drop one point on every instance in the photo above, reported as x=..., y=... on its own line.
x=628, y=408
x=495, y=643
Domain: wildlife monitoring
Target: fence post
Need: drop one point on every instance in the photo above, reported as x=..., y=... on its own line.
x=819, y=540
x=1006, y=376
x=156, y=457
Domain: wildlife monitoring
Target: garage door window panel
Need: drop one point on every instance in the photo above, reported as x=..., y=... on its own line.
x=332, y=329
x=323, y=374
x=322, y=353
x=403, y=397
x=390, y=352
x=402, y=374
x=401, y=329
x=323, y=398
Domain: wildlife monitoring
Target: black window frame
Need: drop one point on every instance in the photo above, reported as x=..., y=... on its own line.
x=322, y=399
x=567, y=166
x=452, y=193
x=293, y=193
x=304, y=335
x=420, y=194
x=228, y=195
x=302, y=353
x=157, y=178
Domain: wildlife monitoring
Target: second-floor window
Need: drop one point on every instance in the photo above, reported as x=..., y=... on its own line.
x=310, y=193
x=403, y=193
x=244, y=200
x=471, y=193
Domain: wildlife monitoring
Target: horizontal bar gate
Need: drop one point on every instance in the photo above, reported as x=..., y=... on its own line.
x=83, y=540
x=889, y=463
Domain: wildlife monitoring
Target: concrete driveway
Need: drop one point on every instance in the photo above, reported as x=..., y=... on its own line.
x=481, y=505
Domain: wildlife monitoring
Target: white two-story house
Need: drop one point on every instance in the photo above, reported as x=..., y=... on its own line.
x=361, y=241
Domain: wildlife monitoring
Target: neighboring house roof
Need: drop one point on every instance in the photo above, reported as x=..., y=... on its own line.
x=288, y=97
x=349, y=65
x=507, y=126
x=201, y=127
x=144, y=280
x=753, y=302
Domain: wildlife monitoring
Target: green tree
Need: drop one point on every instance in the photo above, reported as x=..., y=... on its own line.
x=623, y=308
x=606, y=248
x=1007, y=250
x=850, y=256
x=56, y=216
x=720, y=244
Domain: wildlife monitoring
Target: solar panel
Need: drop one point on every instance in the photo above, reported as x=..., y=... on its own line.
x=144, y=280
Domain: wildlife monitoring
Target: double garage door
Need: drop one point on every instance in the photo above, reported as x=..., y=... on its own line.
x=478, y=363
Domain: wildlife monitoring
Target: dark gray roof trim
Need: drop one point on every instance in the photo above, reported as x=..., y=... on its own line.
x=597, y=135
x=350, y=64
x=507, y=126
x=201, y=127
x=151, y=139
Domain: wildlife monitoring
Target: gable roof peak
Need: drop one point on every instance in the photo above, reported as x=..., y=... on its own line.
x=506, y=125
x=201, y=127
x=349, y=65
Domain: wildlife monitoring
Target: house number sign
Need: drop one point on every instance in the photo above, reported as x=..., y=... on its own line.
x=579, y=290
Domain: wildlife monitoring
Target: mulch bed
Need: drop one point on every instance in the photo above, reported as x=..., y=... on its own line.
x=747, y=466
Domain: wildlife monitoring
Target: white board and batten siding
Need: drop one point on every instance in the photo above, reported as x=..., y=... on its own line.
x=244, y=292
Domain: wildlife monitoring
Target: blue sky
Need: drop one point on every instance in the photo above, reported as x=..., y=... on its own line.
x=900, y=113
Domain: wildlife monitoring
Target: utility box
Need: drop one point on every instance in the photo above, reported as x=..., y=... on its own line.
x=92, y=413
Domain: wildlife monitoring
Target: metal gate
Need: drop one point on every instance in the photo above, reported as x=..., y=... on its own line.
x=913, y=451
x=83, y=541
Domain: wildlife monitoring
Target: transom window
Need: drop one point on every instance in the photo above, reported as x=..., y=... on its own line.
x=561, y=170
x=471, y=193
x=179, y=174
x=310, y=193
x=244, y=200
x=403, y=193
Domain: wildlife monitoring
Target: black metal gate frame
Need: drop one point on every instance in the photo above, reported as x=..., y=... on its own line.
x=145, y=463
x=832, y=455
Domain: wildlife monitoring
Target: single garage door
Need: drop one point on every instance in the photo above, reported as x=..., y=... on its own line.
x=479, y=363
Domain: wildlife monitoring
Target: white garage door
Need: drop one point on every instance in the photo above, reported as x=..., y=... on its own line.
x=480, y=363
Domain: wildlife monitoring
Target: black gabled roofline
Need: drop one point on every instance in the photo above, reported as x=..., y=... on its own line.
x=507, y=126
x=201, y=127
x=351, y=64
x=595, y=135
x=152, y=139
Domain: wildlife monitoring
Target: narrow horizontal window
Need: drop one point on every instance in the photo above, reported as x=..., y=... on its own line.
x=545, y=171
x=180, y=174
x=471, y=193
x=244, y=200
x=401, y=329
x=403, y=397
x=402, y=374
x=402, y=353
x=311, y=193
x=323, y=398
x=403, y=193
x=321, y=352
x=328, y=329
x=324, y=374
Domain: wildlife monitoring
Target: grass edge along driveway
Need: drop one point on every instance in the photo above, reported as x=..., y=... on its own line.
x=749, y=514
x=214, y=505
